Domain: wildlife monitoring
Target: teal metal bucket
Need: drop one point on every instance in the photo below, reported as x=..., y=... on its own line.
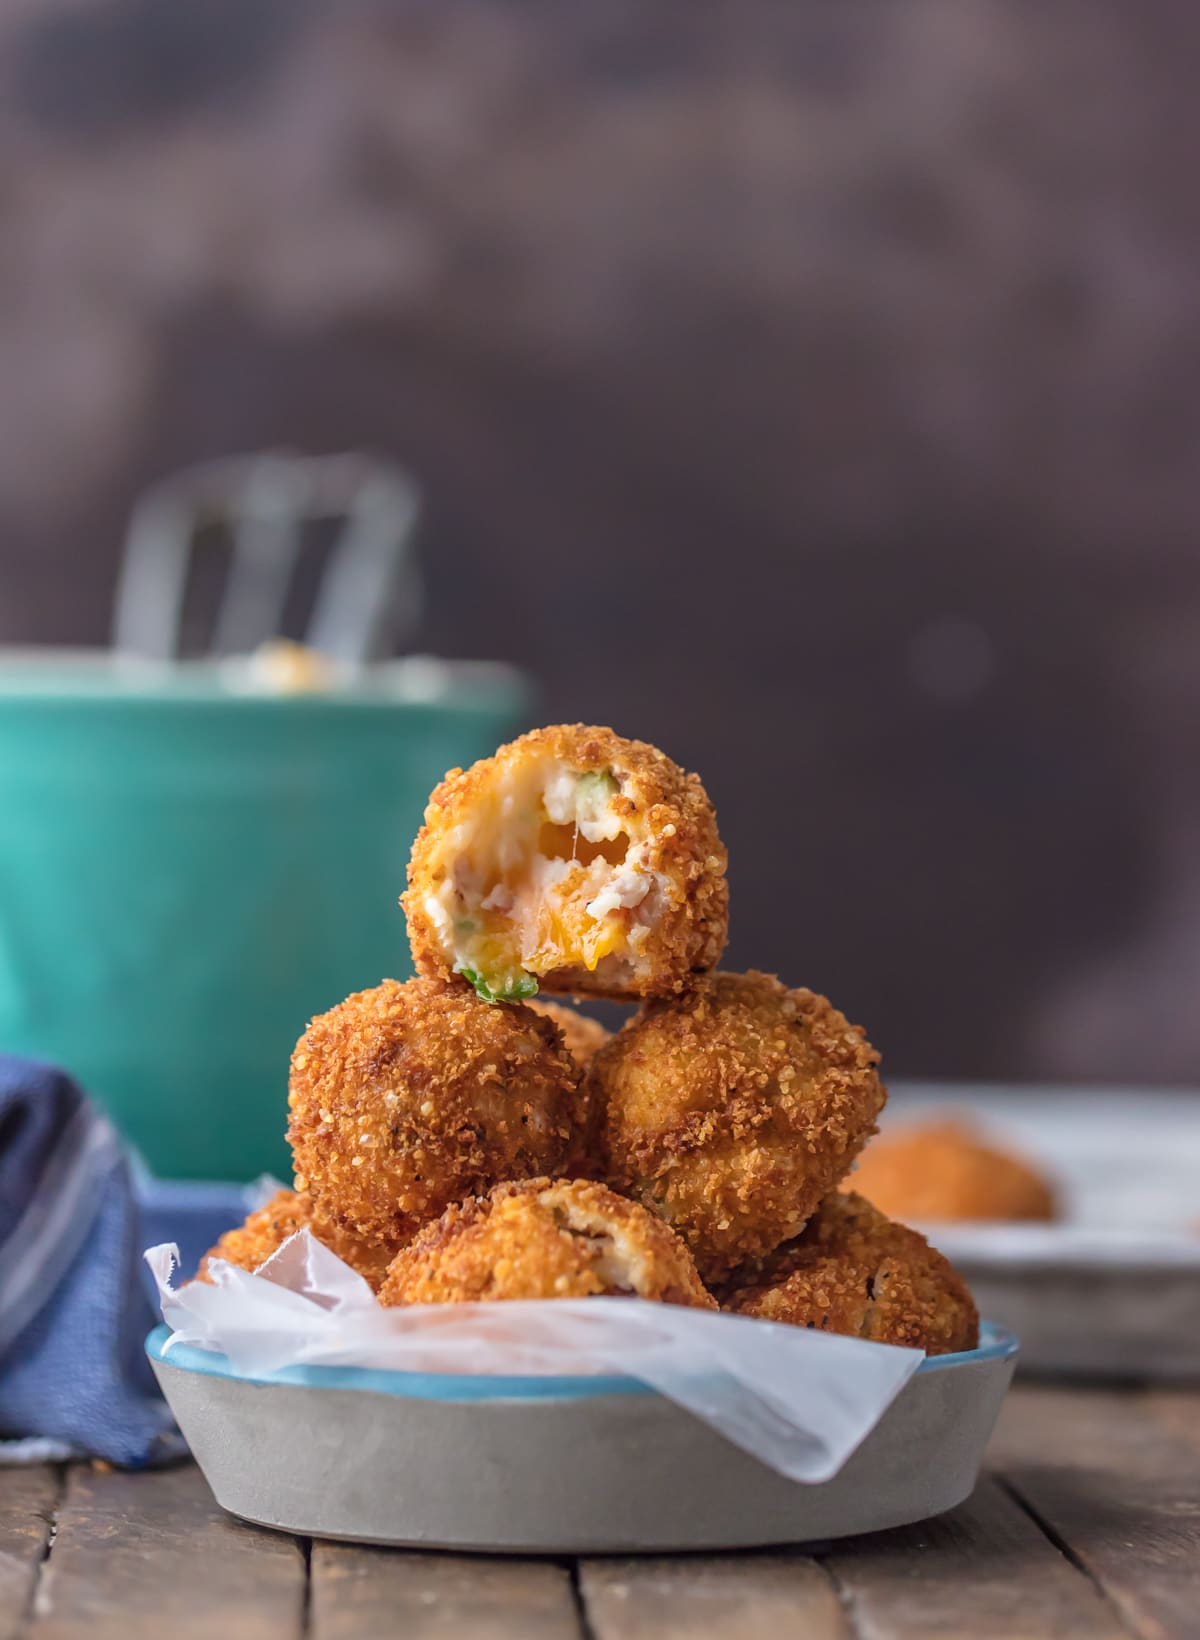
x=188, y=873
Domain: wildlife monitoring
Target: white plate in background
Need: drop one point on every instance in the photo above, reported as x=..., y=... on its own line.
x=1113, y=1288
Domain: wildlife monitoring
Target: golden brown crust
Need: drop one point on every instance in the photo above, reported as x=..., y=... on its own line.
x=944, y=1171
x=251, y=1244
x=853, y=1271
x=406, y=1098
x=544, y=1238
x=684, y=849
x=733, y=1111
x=581, y=1036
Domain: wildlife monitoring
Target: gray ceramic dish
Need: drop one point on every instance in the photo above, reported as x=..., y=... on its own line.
x=556, y=1465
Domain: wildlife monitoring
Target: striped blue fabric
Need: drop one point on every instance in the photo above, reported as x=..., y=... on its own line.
x=73, y=1312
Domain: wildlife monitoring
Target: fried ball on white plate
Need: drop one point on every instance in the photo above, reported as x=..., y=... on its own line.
x=545, y=1238
x=264, y=1232
x=570, y=861
x=853, y=1271
x=945, y=1171
x=406, y=1098
x=733, y=1111
x=581, y=1035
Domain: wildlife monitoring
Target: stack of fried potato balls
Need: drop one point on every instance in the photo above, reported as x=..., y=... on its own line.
x=454, y=1140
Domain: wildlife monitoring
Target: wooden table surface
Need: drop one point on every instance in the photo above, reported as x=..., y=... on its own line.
x=1086, y=1523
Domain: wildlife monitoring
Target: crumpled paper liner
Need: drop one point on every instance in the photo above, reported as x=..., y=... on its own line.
x=798, y=1401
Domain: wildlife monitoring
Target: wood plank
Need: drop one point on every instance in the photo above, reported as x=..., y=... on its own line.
x=358, y=1591
x=153, y=1554
x=984, y=1570
x=1178, y=1411
x=1117, y=1486
x=720, y=1597
x=28, y=1499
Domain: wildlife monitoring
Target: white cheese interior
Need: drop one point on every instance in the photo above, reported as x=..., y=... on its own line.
x=617, y=1259
x=543, y=874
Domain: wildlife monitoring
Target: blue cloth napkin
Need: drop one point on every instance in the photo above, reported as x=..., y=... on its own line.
x=73, y=1312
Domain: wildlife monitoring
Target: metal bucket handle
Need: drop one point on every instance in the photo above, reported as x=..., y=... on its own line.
x=369, y=596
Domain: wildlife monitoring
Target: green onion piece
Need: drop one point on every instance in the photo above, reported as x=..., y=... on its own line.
x=513, y=990
x=598, y=784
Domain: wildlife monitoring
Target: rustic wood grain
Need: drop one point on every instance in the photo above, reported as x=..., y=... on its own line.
x=358, y=1591
x=1088, y=1525
x=983, y=1570
x=1178, y=1412
x=1106, y=1474
x=721, y=1597
x=154, y=1554
x=28, y=1498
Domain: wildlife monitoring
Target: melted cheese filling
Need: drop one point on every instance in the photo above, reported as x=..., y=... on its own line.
x=544, y=875
x=616, y=1259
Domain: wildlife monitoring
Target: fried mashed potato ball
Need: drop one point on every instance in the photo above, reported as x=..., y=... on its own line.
x=581, y=1035
x=570, y=861
x=545, y=1239
x=265, y=1231
x=406, y=1098
x=944, y=1171
x=853, y=1271
x=732, y=1111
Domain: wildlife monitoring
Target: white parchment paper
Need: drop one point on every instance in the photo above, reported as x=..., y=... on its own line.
x=799, y=1401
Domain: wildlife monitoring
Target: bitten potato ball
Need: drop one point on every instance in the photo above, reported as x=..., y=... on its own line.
x=945, y=1171
x=406, y=1098
x=581, y=1035
x=572, y=861
x=545, y=1239
x=853, y=1271
x=733, y=1111
x=251, y=1244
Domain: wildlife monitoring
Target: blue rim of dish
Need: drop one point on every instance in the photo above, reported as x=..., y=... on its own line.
x=997, y=1344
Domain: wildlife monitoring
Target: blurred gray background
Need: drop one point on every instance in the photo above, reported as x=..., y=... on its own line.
x=813, y=390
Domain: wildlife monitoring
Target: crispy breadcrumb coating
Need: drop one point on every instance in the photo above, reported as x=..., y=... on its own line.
x=406, y=1098
x=733, y=1111
x=944, y=1171
x=251, y=1244
x=853, y=1271
x=545, y=1239
x=581, y=1035
x=570, y=861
